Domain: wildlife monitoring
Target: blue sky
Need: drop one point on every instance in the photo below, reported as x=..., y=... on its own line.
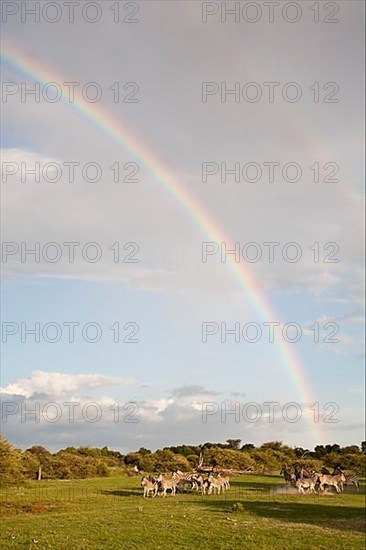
x=170, y=292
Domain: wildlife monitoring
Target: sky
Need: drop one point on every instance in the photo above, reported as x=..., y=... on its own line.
x=141, y=339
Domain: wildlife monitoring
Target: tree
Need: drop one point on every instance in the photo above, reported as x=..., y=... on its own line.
x=10, y=460
x=335, y=448
x=143, y=451
x=207, y=445
x=300, y=452
x=193, y=460
x=273, y=445
x=266, y=460
x=247, y=447
x=103, y=470
x=363, y=447
x=44, y=458
x=233, y=443
x=30, y=465
x=320, y=451
x=228, y=458
x=350, y=449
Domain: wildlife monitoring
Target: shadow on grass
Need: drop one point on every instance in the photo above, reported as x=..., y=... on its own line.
x=343, y=518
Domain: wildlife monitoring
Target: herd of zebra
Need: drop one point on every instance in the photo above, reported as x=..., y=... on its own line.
x=301, y=478
x=311, y=480
x=182, y=482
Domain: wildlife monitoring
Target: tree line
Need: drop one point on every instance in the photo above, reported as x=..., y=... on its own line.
x=85, y=462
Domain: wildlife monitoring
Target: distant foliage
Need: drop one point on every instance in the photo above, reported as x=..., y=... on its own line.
x=10, y=463
x=88, y=462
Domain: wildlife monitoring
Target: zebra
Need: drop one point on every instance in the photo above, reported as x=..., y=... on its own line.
x=306, y=483
x=335, y=481
x=186, y=481
x=149, y=487
x=352, y=480
x=290, y=479
x=166, y=485
x=210, y=484
x=225, y=481
x=196, y=480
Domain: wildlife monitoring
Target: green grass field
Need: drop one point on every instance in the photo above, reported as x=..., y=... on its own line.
x=111, y=513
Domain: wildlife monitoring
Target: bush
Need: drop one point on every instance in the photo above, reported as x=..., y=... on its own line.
x=11, y=470
x=84, y=462
x=30, y=465
x=229, y=458
x=103, y=470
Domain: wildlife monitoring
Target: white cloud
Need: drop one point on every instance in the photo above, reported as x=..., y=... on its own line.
x=154, y=422
x=151, y=410
x=59, y=383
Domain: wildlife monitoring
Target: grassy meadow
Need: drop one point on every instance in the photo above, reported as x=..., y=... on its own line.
x=256, y=513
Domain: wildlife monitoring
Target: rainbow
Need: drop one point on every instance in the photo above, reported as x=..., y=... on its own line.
x=32, y=69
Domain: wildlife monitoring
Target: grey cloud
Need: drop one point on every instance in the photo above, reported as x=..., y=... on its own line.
x=192, y=390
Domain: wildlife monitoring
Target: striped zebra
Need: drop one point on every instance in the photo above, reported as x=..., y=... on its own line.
x=306, y=483
x=149, y=487
x=335, y=481
x=290, y=478
x=352, y=480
